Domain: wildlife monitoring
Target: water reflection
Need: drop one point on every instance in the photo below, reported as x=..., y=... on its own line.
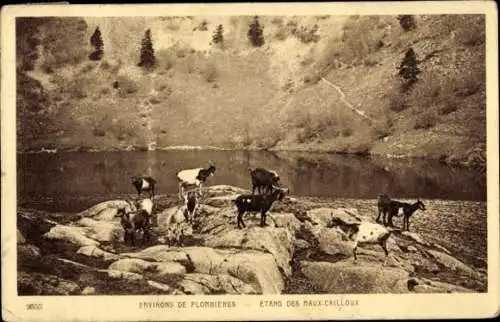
x=80, y=174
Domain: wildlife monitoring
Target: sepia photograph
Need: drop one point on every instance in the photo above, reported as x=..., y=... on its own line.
x=210, y=155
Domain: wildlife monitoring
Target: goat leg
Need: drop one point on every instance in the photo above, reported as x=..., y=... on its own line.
x=354, y=250
x=263, y=219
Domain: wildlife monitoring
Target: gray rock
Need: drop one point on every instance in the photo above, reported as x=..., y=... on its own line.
x=133, y=265
x=362, y=278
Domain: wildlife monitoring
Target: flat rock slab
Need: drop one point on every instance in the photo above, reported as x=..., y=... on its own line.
x=349, y=278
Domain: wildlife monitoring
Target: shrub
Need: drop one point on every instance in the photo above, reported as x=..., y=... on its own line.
x=425, y=121
x=306, y=35
x=370, y=62
x=98, y=132
x=210, y=73
x=398, y=103
x=125, y=85
x=277, y=21
x=172, y=26
x=203, y=26
x=448, y=108
x=165, y=59
x=407, y=22
x=281, y=33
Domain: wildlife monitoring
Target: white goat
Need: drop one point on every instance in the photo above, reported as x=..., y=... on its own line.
x=194, y=177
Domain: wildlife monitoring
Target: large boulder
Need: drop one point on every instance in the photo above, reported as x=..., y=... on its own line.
x=94, y=251
x=72, y=234
x=133, y=265
x=255, y=268
x=346, y=277
x=103, y=231
x=276, y=241
x=96, y=211
x=453, y=264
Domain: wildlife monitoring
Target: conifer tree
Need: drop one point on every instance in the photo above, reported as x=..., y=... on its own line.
x=147, y=56
x=96, y=41
x=408, y=69
x=255, y=33
x=218, y=36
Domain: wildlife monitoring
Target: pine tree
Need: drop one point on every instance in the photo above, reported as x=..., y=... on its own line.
x=408, y=70
x=407, y=22
x=147, y=56
x=255, y=33
x=96, y=41
x=218, y=36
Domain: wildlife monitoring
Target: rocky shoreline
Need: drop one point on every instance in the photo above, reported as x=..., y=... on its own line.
x=302, y=251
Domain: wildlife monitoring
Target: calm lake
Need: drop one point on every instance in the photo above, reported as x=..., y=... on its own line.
x=66, y=181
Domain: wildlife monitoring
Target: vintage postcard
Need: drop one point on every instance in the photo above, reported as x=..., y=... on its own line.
x=250, y=161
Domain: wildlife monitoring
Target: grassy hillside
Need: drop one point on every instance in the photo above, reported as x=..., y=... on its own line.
x=286, y=94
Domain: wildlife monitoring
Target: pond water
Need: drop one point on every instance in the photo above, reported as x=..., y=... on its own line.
x=50, y=181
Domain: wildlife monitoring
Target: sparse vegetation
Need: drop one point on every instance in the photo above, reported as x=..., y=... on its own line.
x=210, y=73
x=447, y=86
x=424, y=121
x=306, y=35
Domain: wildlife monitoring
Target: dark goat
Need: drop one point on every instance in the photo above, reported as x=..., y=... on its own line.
x=144, y=184
x=390, y=208
x=133, y=222
x=257, y=203
x=263, y=179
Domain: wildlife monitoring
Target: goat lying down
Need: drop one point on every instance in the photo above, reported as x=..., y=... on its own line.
x=194, y=177
x=365, y=233
x=257, y=203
